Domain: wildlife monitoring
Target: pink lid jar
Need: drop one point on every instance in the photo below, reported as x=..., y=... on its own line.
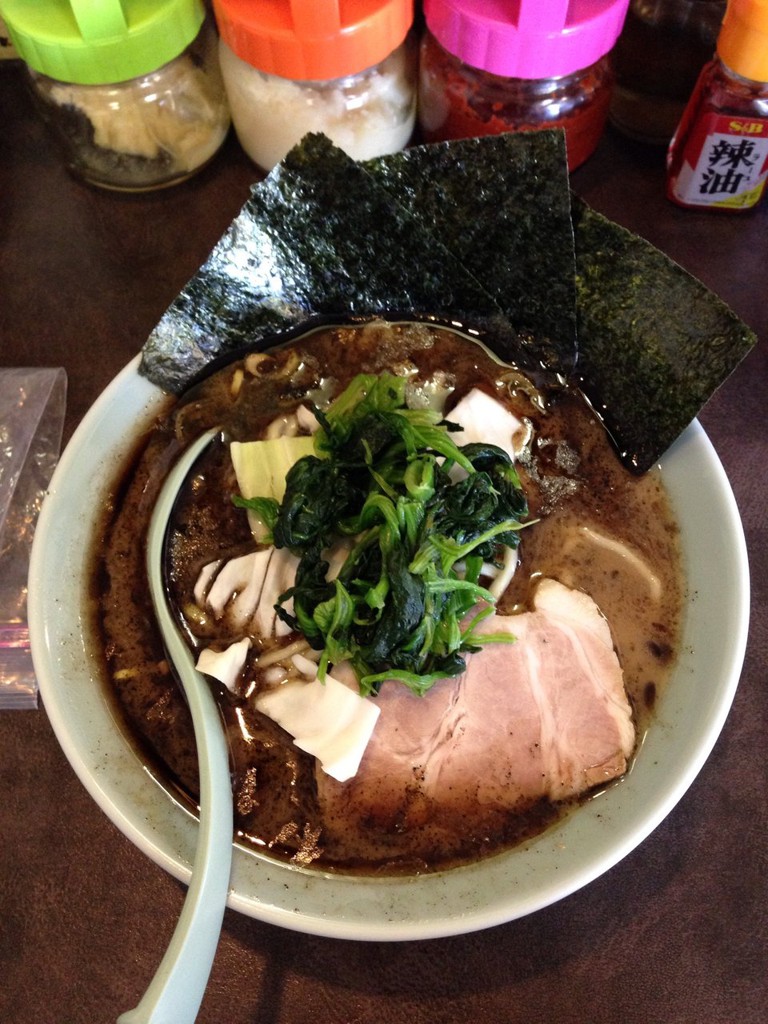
x=492, y=66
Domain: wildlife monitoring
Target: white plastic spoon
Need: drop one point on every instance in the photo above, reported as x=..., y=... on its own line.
x=176, y=991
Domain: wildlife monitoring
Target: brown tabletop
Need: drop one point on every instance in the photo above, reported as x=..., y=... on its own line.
x=676, y=933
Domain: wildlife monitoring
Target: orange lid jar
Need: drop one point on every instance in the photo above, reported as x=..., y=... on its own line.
x=346, y=68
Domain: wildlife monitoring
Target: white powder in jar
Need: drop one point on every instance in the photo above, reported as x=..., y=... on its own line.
x=367, y=114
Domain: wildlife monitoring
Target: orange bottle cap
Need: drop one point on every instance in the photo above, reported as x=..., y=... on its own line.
x=743, y=41
x=313, y=40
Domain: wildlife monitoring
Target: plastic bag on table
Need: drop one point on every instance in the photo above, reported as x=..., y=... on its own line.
x=32, y=404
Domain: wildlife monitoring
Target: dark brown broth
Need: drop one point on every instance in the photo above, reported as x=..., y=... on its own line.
x=573, y=480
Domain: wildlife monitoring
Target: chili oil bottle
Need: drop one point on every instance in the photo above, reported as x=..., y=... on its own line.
x=718, y=157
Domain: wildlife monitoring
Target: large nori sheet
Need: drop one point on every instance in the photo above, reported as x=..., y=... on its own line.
x=654, y=342
x=480, y=231
x=316, y=237
x=501, y=204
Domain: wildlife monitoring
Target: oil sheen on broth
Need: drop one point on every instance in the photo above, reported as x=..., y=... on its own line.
x=599, y=529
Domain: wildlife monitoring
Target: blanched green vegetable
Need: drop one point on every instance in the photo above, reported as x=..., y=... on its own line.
x=381, y=479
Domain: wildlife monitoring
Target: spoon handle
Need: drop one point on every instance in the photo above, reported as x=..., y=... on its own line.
x=176, y=991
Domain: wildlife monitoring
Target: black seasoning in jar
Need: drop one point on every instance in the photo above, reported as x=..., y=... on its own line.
x=657, y=59
x=132, y=94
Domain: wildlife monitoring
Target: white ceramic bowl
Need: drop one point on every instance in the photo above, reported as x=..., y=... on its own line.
x=690, y=714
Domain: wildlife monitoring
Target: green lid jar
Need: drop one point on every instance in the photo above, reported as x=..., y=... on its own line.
x=131, y=88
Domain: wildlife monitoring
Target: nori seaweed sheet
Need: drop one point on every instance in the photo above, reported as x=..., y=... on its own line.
x=238, y=294
x=501, y=204
x=654, y=342
x=460, y=231
x=363, y=253
x=316, y=237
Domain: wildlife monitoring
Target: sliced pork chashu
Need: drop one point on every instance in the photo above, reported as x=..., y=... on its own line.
x=545, y=718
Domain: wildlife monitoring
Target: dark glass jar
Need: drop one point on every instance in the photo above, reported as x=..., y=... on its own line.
x=662, y=48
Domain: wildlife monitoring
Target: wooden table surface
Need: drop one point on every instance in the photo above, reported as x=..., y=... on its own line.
x=674, y=934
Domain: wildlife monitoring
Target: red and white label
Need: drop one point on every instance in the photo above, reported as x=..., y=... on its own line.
x=725, y=162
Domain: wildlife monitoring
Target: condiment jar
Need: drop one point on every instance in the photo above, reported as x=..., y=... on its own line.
x=718, y=157
x=7, y=50
x=131, y=88
x=658, y=57
x=296, y=66
x=533, y=64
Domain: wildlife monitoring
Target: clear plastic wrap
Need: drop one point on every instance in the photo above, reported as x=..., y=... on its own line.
x=32, y=404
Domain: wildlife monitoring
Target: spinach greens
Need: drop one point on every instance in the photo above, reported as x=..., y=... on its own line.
x=418, y=517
